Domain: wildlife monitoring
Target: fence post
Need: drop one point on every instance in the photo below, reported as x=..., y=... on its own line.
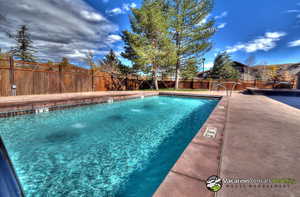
x=192, y=83
x=92, y=79
x=12, y=76
x=112, y=82
x=126, y=82
x=60, y=77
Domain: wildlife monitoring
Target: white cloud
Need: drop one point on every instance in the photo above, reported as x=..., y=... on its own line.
x=58, y=28
x=221, y=26
x=295, y=43
x=125, y=7
x=92, y=16
x=115, y=11
x=293, y=11
x=76, y=54
x=264, y=43
x=222, y=15
x=114, y=38
x=235, y=48
x=274, y=35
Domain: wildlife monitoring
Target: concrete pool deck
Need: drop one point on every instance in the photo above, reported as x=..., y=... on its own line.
x=261, y=142
x=258, y=138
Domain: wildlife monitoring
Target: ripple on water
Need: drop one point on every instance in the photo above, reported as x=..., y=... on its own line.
x=116, y=117
x=62, y=136
x=136, y=110
x=148, y=106
x=78, y=125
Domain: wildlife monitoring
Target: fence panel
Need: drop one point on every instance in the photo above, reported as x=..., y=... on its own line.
x=54, y=83
x=24, y=81
x=186, y=84
x=40, y=82
x=201, y=84
x=4, y=83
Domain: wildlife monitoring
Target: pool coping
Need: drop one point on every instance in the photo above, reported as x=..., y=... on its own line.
x=9, y=109
x=200, y=159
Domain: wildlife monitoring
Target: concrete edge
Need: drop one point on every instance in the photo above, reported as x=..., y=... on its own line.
x=190, y=95
x=29, y=107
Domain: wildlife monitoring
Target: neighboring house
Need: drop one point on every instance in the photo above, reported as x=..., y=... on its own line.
x=203, y=75
x=244, y=70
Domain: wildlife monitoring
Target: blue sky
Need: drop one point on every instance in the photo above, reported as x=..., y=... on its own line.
x=265, y=29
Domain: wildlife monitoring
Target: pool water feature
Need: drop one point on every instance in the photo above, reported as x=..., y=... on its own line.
x=120, y=149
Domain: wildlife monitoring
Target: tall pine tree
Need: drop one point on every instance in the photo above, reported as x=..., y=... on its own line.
x=223, y=68
x=190, y=70
x=111, y=63
x=190, y=30
x=149, y=46
x=23, y=49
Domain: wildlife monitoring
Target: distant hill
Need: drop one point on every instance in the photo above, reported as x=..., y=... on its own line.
x=289, y=66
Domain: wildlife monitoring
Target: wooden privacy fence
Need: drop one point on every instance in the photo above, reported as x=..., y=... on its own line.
x=211, y=84
x=27, y=78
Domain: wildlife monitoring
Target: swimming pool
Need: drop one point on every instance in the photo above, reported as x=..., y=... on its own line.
x=293, y=101
x=120, y=149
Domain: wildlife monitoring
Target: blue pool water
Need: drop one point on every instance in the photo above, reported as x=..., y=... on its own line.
x=293, y=101
x=106, y=150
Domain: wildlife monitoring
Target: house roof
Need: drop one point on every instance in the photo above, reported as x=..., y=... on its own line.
x=239, y=64
x=199, y=73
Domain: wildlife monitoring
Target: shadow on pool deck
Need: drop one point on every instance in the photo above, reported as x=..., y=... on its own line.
x=262, y=142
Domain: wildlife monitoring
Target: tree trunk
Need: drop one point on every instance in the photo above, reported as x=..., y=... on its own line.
x=177, y=62
x=177, y=76
x=155, y=79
